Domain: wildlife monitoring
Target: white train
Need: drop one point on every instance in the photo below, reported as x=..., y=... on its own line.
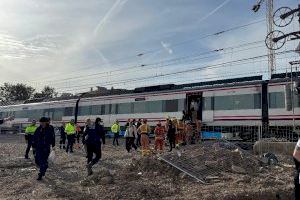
x=247, y=101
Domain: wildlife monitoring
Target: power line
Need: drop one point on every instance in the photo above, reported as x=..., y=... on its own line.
x=213, y=66
x=174, y=45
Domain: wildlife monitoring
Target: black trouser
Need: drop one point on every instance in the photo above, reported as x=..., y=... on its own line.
x=41, y=159
x=296, y=181
x=138, y=140
x=30, y=139
x=62, y=142
x=103, y=138
x=71, y=141
x=78, y=137
x=116, y=139
x=91, y=150
x=171, y=141
x=130, y=143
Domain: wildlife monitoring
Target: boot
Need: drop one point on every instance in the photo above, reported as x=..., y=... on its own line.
x=89, y=169
x=40, y=177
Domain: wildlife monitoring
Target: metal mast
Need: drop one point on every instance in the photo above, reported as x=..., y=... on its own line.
x=270, y=28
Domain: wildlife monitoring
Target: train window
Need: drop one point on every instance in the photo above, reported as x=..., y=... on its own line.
x=181, y=104
x=154, y=106
x=84, y=110
x=69, y=111
x=115, y=108
x=244, y=101
x=276, y=100
x=207, y=103
x=170, y=105
x=57, y=114
x=257, y=101
x=223, y=103
x=139, y=107
x=108, y=109
x=125, y=108
x=96, y=110
x=102, y=109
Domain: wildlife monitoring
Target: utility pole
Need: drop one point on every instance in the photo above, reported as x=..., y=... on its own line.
x=270, y=28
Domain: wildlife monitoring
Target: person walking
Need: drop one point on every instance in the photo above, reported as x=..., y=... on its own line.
x=171, y=134
x=77, y=136
x=144, y=130
x=44, y=138
x=138, y=139
x=115, y=129
x=130, y=135
x=92, y=140
x=70, y=130
x=29, y=137
x=63, y=137
x=159, y=132
x=100, y=129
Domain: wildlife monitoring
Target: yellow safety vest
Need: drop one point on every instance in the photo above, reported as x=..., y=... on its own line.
x=144, y=128
x=115, y=128
x=30, y=129
x=70, y=129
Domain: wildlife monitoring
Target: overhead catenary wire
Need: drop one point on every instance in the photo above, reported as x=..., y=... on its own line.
x=213, y=66
x=160, y=63
x=159, y=49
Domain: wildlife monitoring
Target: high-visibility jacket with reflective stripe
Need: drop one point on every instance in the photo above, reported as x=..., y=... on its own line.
x=115, y=128
x=70, y=129
x=144, y=128
x=30, y=129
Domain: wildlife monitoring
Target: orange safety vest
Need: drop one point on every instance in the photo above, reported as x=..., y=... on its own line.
x=159, y=132
x=144, y=128
x=180, y=125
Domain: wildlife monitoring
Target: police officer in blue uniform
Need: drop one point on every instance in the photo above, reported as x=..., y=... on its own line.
x=44, y=138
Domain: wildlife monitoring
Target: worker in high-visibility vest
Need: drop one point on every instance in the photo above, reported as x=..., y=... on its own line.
x=29, y=137
x=144, y=130
x=180, y=132
x=159, y=132
x=115, y=129
x=70, y=130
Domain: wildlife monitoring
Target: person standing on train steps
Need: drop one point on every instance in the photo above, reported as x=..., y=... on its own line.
x=138, y=139
x=29, y=137
x=70, y=130
x=144, y=130
x=63, y=137
x=44, y=138
x=115, y=129
x=6, y=119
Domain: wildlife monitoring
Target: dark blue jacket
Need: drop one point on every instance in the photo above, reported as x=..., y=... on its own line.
x=62, y=132
x=92, y=136
x=44, y=138
x=100, y=130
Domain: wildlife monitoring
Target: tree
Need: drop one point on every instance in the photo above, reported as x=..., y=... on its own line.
x=18, y=92
x=66, y=95
x=47, y=92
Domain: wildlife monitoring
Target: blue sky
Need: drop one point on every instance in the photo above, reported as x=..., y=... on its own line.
x=68, y=44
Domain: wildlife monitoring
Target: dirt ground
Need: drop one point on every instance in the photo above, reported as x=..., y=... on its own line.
x=120, y=175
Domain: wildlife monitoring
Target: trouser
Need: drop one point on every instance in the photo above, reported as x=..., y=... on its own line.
x=130, y=143
x=30, y=140
x=159, y=144
x=78, y=137
x=172, y=141
x=138, y=140
x=116, y=139
x=103, y=139
x=296, y=181
x=71, y=140
x=145, y=144
x=41, y=159
x=62, y=142
x=91, y=150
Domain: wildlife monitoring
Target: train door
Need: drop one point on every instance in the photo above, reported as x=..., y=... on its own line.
x=194, y=105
